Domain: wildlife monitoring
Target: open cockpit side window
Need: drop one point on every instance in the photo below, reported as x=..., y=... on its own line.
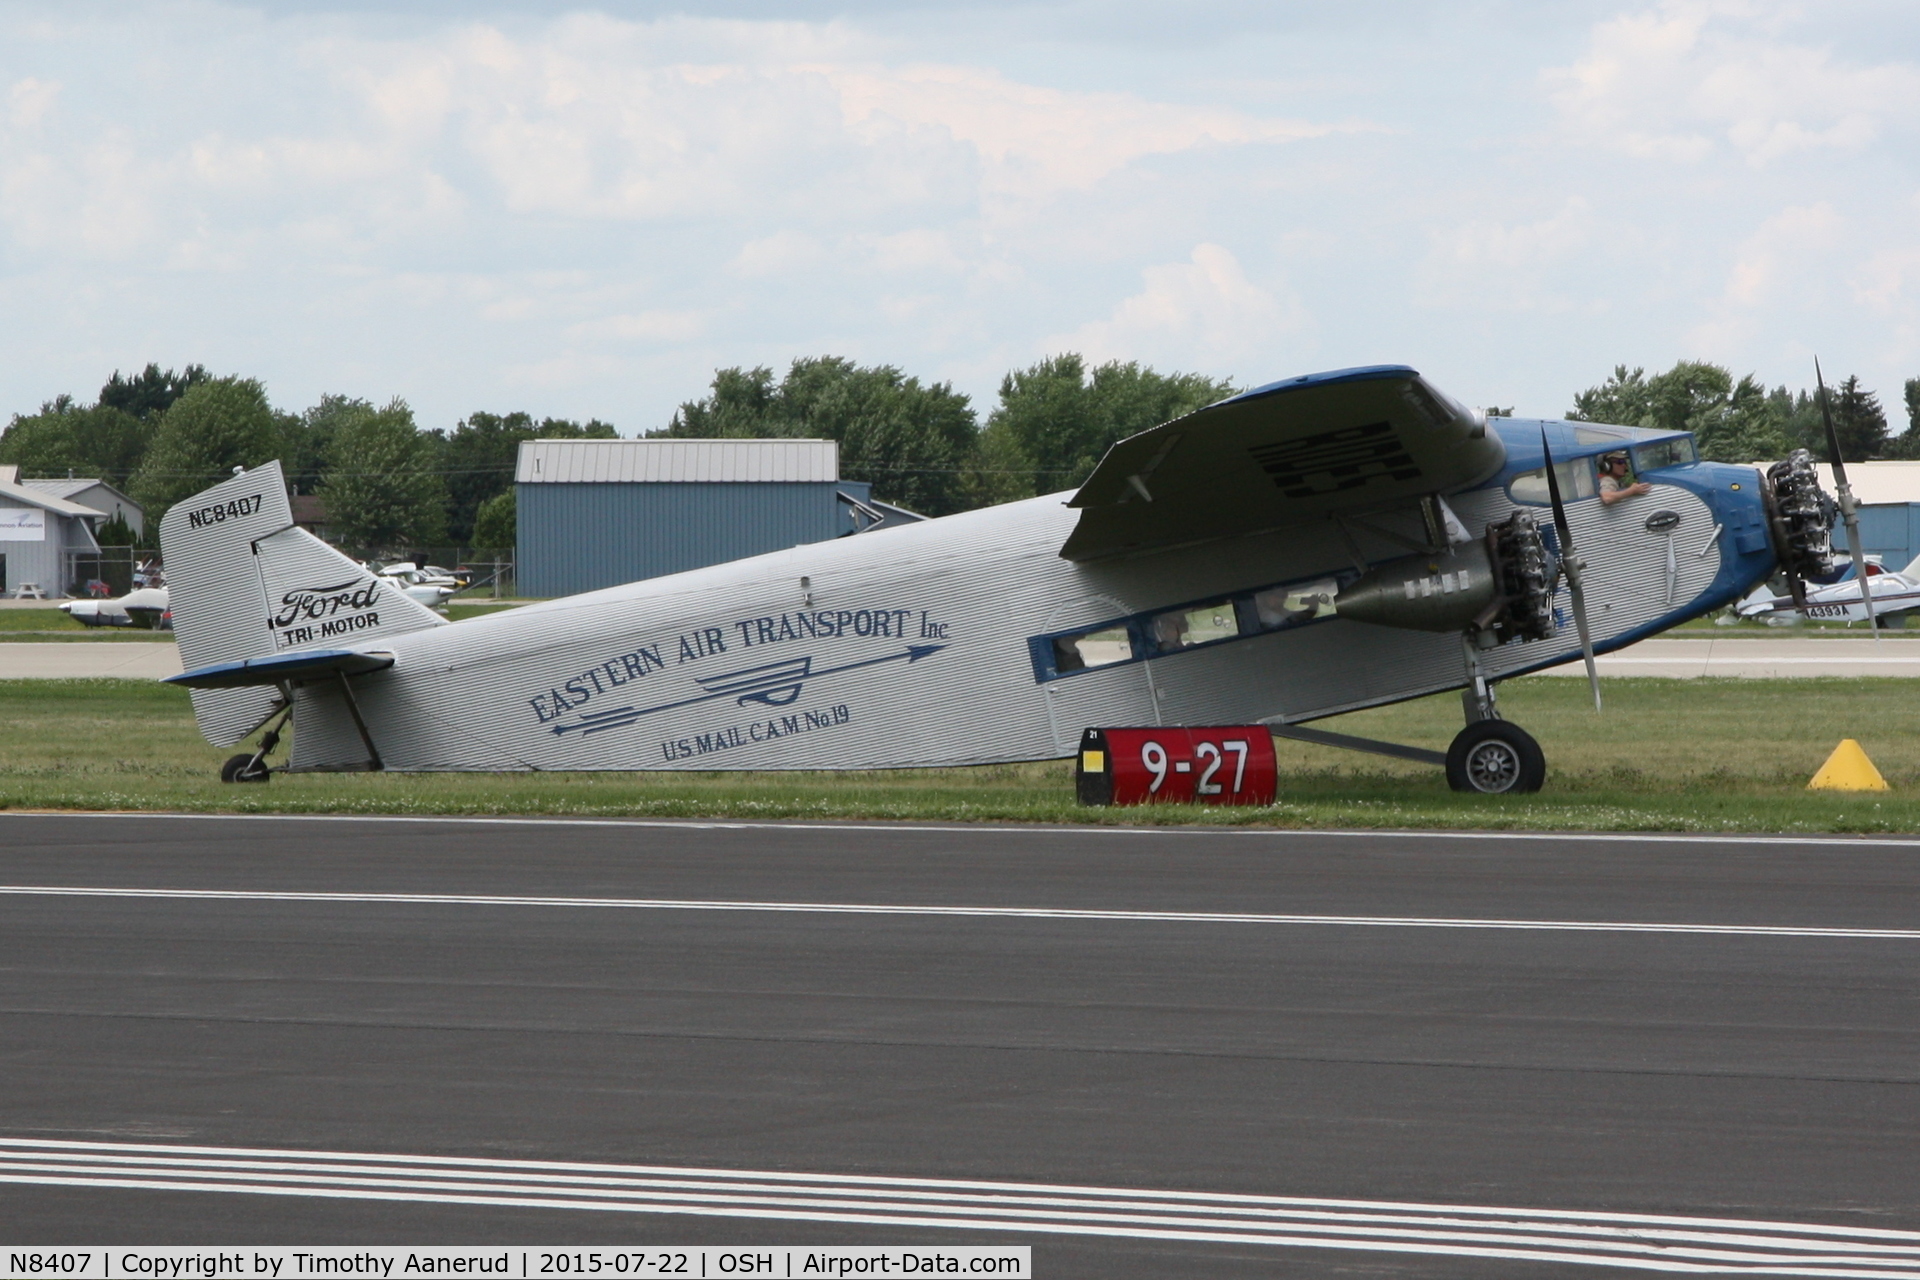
x=1576, y=481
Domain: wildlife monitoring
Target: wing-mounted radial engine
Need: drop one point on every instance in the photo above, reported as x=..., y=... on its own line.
x=1501, y=586
x=1496, y=588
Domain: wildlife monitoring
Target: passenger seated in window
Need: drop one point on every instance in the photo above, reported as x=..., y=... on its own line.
x=1616, y=479
x=1170, y=632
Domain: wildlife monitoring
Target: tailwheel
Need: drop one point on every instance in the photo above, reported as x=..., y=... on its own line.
x=1494, y=757
x=245, y=767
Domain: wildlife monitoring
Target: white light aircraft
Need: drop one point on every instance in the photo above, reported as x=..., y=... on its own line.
x=1314, y=546
x=1895, y=593
x=141, y=607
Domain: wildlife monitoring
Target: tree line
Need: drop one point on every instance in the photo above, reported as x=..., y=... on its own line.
x=1743, y=421
x=389, y=485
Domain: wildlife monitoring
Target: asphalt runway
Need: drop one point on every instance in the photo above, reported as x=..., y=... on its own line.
x=1151, y=1053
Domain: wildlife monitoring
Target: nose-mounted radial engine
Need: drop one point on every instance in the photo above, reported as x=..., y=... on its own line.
x=1801, y=517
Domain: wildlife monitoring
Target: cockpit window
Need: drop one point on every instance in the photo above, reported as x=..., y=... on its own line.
x=1576, y=482
x=1676, y=452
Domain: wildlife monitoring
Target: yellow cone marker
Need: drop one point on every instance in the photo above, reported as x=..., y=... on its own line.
x=1848, y=769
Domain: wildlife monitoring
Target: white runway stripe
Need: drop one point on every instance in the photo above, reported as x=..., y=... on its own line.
x=1756, y=839
x=1647, y=1242
x=901, y=909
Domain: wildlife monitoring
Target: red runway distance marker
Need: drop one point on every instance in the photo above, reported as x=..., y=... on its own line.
x=1220, y=764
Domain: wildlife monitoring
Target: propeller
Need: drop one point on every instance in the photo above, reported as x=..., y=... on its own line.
x=1849, y=512
x=1571, y=565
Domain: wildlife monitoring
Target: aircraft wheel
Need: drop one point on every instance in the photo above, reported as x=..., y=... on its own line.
x=237, y=769
x=1493, y=757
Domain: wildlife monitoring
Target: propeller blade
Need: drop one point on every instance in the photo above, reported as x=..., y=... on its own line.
x=1570, y=563
x=1849, y=511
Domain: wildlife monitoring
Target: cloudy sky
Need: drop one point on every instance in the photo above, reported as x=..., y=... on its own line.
x=582, y=211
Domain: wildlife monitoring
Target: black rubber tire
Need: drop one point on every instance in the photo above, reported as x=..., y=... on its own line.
x=1492, y=757
x=235, y=770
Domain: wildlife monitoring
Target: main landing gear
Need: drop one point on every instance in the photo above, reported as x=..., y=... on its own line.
x=1491, y=756
x=1494, y=758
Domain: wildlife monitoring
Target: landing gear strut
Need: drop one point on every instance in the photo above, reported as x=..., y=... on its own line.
x=1490, y=756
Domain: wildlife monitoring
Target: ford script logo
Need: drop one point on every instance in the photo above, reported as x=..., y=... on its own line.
x=1661, y=521
x=316, y=603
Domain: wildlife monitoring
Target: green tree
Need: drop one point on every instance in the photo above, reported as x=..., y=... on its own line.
x=383, y=486
x=479, y=458
x=217, y=425
x=307, y=439
x=67, y=439
x=1859, y=422
x=1748, y=429
x=1624, y=399
x=914, y=443
x=1730, y=422
x=151, y=392
x=1059, y=421
x=496, y=527
x=1907, y=444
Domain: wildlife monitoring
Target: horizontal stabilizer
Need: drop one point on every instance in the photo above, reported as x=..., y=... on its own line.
x=279, y=667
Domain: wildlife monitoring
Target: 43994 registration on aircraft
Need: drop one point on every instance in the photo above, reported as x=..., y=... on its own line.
x=1317, y=545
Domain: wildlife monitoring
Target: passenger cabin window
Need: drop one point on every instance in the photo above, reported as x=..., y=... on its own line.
x=1092, y=649
x=1676, y=452
x=1201, y=624
x=1576, y=481
x=1279, y=607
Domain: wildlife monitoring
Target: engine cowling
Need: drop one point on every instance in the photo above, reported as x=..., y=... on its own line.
x=1423, y=593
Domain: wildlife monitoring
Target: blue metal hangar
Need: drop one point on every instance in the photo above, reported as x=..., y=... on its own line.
x=598, y=513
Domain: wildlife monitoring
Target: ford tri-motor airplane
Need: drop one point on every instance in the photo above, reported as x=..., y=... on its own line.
x=1314, y=546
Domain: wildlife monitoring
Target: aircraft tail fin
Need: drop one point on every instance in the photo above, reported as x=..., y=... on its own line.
x=244, y=582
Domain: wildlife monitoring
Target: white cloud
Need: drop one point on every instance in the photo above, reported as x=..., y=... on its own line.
x=644, y=326
x=1675, y=82
x=1037, y=141
x=585, y=215
x=1203, y=313
x=784, y=252
x=29, y=100
x=1788, y=261
x=1513, y=266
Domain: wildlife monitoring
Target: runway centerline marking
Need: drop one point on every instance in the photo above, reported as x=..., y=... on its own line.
x=1645, y=1242
x=966, y=912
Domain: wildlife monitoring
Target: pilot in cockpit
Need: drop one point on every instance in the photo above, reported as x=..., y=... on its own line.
x=1616, y=479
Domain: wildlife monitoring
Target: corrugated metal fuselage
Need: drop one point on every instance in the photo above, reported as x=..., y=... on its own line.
x=916, y=647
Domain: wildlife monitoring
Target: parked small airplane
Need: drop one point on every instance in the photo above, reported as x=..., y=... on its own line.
x=428, y=584
x=141, y=607
x=1894, y=595
x=1313, y=546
